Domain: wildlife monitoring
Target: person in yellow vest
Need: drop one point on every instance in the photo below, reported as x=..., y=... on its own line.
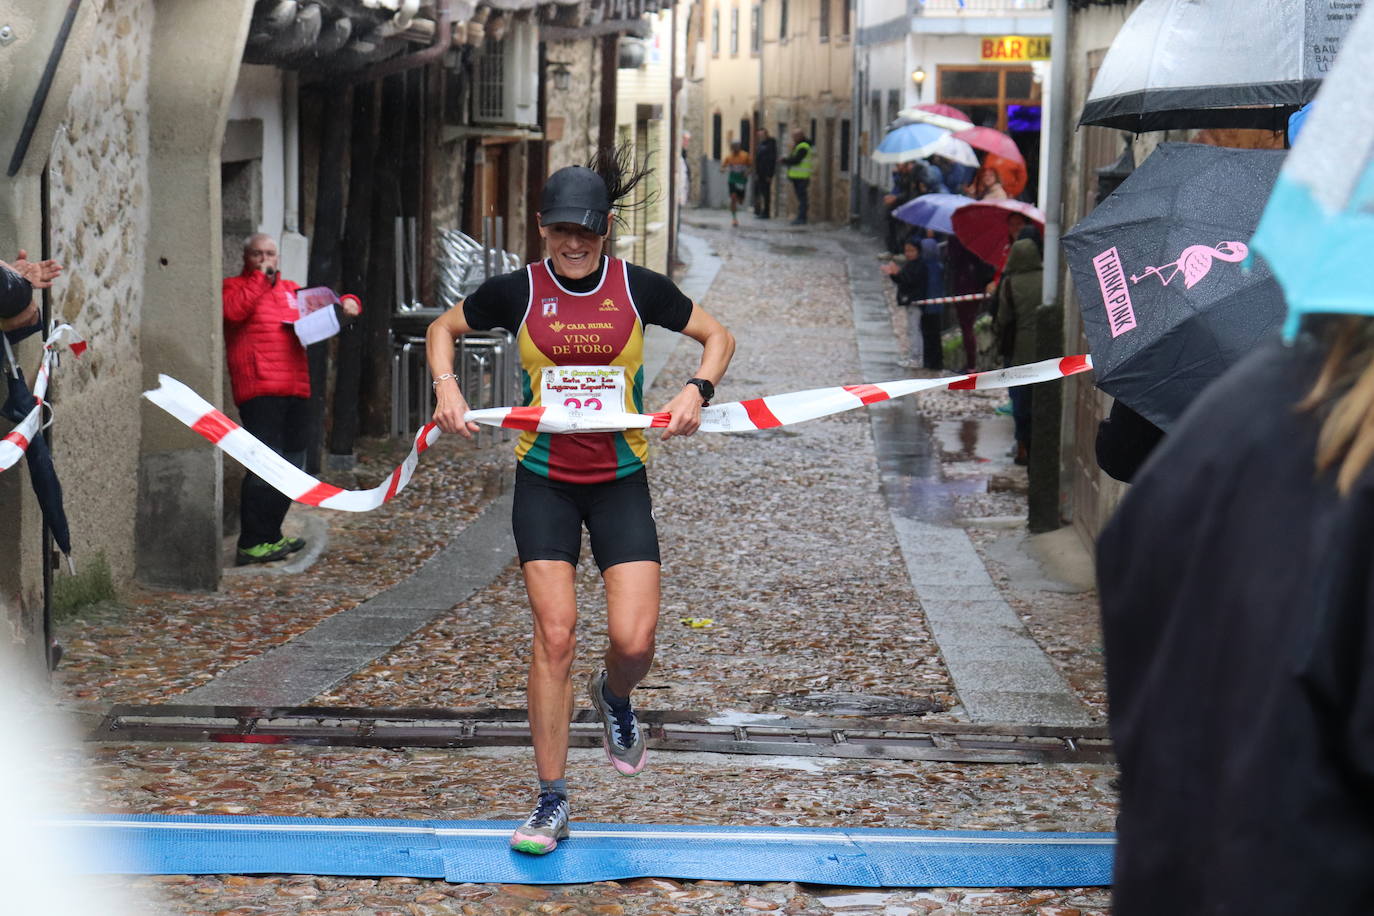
x=800, y=163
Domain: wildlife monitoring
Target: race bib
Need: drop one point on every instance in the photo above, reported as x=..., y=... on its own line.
x=590, y=388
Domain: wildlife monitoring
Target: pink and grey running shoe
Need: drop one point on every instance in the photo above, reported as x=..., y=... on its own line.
x=623, y=740
x=546, y=825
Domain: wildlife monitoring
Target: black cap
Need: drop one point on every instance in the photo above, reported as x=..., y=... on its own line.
x=576, y=195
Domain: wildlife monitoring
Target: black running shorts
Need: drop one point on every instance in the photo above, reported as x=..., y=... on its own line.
x=549, y=514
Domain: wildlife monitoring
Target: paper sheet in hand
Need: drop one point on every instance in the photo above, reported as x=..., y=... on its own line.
x=317, y=326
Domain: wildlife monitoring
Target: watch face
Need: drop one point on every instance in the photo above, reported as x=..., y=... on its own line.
x=707, y=390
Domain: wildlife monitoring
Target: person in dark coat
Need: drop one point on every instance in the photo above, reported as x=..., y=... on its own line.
x=1018, y=298
x=921, y=277
x=1237, y=599
x=968, y=274
x=765, y=167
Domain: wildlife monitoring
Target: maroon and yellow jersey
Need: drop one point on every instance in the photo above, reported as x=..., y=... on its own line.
x=579, y=348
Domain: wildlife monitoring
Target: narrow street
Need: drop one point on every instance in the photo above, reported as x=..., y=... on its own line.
x=872, y=564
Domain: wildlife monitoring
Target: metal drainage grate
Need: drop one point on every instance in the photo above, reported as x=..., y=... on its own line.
x=667, y=731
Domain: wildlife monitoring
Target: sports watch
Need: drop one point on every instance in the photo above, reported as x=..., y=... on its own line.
x=707, y=390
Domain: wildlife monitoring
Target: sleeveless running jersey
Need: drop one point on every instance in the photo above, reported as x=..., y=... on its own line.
x=600, y=328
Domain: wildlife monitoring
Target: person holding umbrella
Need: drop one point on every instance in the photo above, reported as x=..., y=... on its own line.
x=596, y=480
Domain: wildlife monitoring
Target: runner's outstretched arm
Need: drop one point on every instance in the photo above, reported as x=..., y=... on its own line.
x=450, y=405
x=717, y=348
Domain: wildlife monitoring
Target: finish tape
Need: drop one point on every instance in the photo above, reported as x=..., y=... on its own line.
x=740, y=416
x=16, y=442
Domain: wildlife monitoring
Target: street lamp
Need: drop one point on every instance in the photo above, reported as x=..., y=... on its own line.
x=918, y=76
x=562, y=76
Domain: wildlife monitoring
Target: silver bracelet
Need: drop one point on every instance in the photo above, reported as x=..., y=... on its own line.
x=440, y=378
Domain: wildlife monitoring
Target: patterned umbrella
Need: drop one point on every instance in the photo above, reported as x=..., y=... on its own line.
x=1183, y=63
x=1166, y=304
x=1318, y=228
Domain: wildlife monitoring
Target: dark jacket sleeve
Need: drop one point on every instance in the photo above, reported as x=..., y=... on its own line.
x=15, y=292
x=1124, y=440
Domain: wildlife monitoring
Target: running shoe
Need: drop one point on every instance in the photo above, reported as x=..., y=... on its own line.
x=623, y=740
x=293, y=544
x=546, y=825
x=262, y=553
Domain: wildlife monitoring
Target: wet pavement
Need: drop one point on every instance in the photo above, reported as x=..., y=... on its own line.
x=788, y=540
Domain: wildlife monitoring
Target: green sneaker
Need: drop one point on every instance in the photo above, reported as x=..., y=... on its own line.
x=293, y=544
x=262, y=553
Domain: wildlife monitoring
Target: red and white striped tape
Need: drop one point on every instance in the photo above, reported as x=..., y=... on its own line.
x=779, y=409
x=245, y=448
x=16, y=442
x=742, y=416
x=946, y=300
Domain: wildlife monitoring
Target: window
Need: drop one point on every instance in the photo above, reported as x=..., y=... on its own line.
x=825, y=20
x=812, y=136
x=894, y=104
x=756, y=28
x=715, y=32
x=844, y=144
x=782, y=20
x=845, y=9
x=991, y=96
x=734, y=31
x=715, y=135
x=744, y=134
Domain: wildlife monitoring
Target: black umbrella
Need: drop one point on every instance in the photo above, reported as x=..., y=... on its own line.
x=42, y=475
x=1166, y=302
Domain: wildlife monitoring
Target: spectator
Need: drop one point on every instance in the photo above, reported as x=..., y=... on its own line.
x=904, y=188
x=271, y=384
x=967, y=275
x=988, y=186
x=17, y=283
x=800, y=164
x=765, y=167
x=1018, y=297
x=1238, y=625
x=921, y=278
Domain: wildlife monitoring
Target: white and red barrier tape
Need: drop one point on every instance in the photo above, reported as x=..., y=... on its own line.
x=777, y=410
x=16, y=442
x=946, y=300
x=742, y=416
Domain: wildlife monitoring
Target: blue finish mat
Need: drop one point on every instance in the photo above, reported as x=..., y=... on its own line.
x=477, y=851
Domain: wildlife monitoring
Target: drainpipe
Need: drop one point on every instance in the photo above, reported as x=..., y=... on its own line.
x=443, y=38
x=1054, y=162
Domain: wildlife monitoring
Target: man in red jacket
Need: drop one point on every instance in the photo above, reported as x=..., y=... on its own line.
x=271, y=384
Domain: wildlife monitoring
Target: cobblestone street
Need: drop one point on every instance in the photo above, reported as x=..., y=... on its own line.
x=784, y=539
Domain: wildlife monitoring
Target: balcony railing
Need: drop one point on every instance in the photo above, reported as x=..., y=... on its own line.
x=980, y=7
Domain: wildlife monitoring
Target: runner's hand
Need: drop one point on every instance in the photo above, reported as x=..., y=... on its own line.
x=685, y=410
x=449, y=409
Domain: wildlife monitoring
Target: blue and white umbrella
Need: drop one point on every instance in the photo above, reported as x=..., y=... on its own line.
x=1318, y=228
x=921, y=141
x=932, y=211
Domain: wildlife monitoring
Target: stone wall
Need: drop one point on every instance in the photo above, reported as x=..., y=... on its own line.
x=579, y=105
x=99, y=214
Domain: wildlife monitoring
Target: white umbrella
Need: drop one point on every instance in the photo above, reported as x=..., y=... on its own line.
x=1216, y=63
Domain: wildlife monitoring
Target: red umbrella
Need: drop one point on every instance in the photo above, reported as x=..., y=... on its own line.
x=992, y=141
x=1011, y=172
x=983, y=228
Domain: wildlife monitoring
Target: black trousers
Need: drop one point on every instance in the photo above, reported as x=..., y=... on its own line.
x=802, y=187
x=280, y=423
x=763, y=196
